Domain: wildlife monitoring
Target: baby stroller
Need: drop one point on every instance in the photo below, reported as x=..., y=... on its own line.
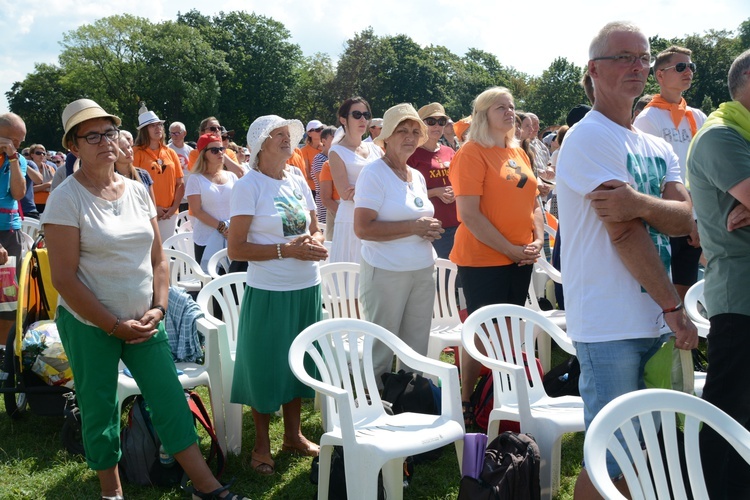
x=23, y=390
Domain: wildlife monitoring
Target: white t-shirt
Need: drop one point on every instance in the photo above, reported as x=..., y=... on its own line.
x=214, y=201
x=281, y=212
x=378, y=188
x=354, y=165
x=658, y=122
x=115, y=244
x=183, y=153
x=603, y=301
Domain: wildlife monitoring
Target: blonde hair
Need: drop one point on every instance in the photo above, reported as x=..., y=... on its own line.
x=479, y=131
x=200, y=163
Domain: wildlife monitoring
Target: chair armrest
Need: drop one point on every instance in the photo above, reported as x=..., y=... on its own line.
x=543, y=267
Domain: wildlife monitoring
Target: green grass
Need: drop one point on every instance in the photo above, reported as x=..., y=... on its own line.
x=34, y=464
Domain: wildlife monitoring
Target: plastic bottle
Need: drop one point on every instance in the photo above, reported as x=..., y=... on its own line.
x=165, y=458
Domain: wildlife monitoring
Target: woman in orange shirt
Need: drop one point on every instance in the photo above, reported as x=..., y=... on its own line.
x=501, y=231
x=150, y=152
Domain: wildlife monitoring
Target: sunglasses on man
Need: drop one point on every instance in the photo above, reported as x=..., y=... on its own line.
x=681, y=66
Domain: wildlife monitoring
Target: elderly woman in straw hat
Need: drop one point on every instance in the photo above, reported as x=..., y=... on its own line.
x=273, y=226
x=393, y=216
x=112, y=301
x=150, y=152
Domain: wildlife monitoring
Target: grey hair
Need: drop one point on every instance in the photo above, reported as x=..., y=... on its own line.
x=179, y=125
x=599, y=43
x=738, y=78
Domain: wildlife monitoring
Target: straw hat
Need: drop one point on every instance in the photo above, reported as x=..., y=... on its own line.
x=262, y=127
x=396, y=115
x=432, y=109
x=81, y=110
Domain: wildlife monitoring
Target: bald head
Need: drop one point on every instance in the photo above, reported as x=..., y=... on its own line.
x=12, y=127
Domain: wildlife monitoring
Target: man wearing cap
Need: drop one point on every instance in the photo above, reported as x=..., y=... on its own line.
x=311, y=149
x=719, y=170
x=376, y=126
x=12, y=189
x=619, y=195
x=150, y=152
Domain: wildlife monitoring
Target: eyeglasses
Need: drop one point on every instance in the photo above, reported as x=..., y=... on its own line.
x=213, y=129
x=375, y=126
x=430, y=121
x=179, y=132
x=319, y=129
x=359, y=114
x=629, y=59
x=40, y=153
x=216, y=150
x=95, y=138
x=26, y=155
x=681, y=66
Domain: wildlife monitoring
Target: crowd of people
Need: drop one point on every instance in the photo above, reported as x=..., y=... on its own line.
x=402, y=191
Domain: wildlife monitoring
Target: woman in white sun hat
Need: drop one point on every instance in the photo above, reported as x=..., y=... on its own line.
x=273, y=226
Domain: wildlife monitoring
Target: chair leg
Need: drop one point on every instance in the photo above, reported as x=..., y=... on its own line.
x=460, y=454
x=544, y=348
x=549, y=472
x=234, y=427
x=362, y=477
x=393, y=479
x=324, y=471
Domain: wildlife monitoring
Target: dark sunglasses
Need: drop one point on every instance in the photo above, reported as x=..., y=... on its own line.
x=40, y=153
x=216, y=150
x=436, y=121
x=681, y=66
x=319, y=129
x=214, y=129
x=359, y=114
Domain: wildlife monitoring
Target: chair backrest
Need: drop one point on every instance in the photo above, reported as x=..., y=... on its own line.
x=445, y=309
x=217, y=263
x=646, y=412
x=506, y=332
x=225, y=293
x=350, y=382
x=184, y=269
x=184, y=224
x=695, y=306
x=31, y=227
x=339, y=282
x=182, y=242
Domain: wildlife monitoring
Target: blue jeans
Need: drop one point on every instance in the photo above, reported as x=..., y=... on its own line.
x=611, y=369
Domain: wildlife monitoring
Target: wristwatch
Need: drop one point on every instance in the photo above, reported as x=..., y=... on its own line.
x=161, y=308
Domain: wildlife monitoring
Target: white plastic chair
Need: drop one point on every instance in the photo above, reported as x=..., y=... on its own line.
x=694, y=307
x=218, y=262
x=184, y=223
x=372, y=440
x=184, y=272
x=208, y=374
x=543, y=342
x=182, y=242
x=339, y=284
x=515, y=397
x=31, y=227
x=647, y=475
x=27, y=243
x=445, y=330
x=225, y=292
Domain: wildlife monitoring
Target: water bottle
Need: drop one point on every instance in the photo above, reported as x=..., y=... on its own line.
x=165, y=458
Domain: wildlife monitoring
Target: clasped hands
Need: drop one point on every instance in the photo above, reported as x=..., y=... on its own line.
x=136, y=331
x=305, y=247
x=428, y=228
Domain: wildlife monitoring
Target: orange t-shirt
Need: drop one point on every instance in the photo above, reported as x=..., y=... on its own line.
x=325, y=175
x=505, y=183
x=308, y=152
x=299, y=161
x=164, y=167
x=194, y=156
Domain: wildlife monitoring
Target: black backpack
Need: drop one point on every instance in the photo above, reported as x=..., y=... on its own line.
x=140, y=462
x=510, y=471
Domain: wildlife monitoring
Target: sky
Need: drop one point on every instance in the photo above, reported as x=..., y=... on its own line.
x=527, y=35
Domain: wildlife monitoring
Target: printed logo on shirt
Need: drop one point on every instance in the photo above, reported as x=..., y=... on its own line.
x=293, y=220
x=515, y=173
x=673, y=135
x=648, y=173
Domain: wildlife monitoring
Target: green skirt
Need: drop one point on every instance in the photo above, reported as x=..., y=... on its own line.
x=269, y=322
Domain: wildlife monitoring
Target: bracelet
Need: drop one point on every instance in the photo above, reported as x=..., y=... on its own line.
x=221, y=227
x=114, y=328
x=673, y=309
x=161, y=308
x=278, y=251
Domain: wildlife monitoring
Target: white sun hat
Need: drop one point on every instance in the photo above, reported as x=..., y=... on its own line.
x=262, y=127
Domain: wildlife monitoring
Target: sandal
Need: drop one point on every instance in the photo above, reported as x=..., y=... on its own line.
x=302, y=447
x=216, y=494
x=468, y=411
x=262, y=464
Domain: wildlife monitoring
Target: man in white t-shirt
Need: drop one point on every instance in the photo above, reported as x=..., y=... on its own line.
x=619, y=196
x=177, y=133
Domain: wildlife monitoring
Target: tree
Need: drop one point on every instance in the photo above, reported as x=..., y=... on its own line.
x=313, y=93
x=556, y=92
x=356, y=71
x=261, y=75
x=713, y=54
